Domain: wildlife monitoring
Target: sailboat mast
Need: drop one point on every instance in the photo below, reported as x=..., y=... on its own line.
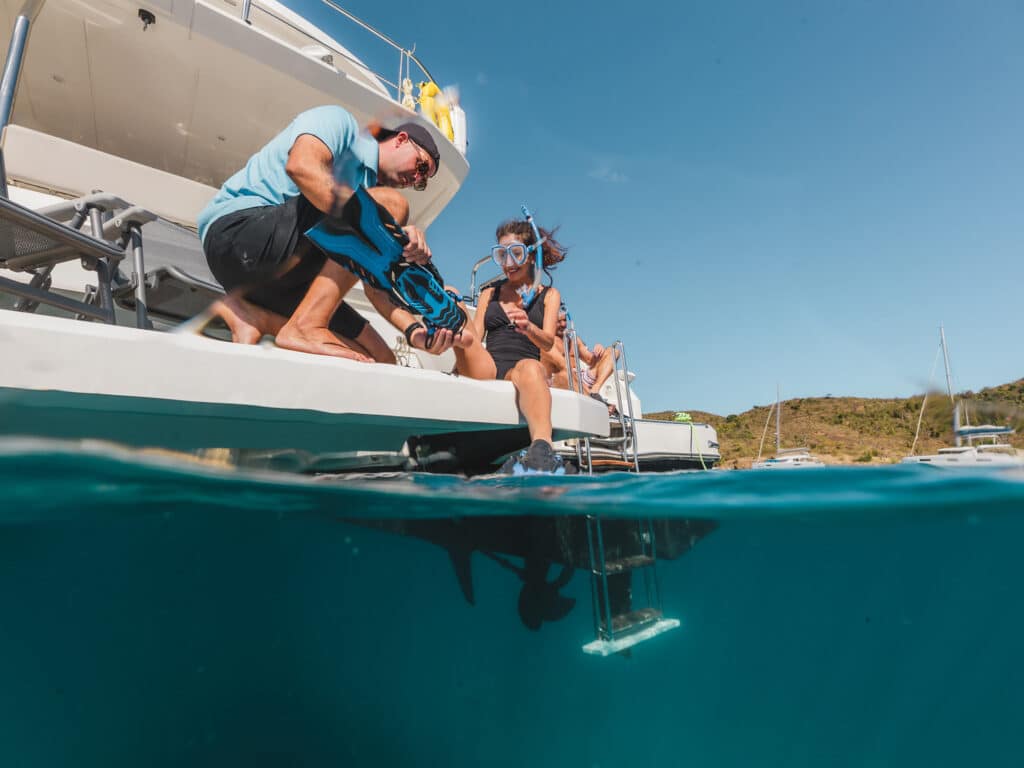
x=949, y=386
x=945, y=360
x=778, y=421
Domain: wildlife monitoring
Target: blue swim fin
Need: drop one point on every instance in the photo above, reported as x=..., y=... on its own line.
x=539, y=459
x=366, y=240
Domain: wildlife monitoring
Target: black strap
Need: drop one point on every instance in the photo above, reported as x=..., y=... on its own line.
x=408, y=331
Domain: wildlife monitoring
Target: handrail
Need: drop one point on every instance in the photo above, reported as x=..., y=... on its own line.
x=473, y=294
x=571, y=350
x=12, y=75
x=625, y=414
x=408, y=53
x=405, y=55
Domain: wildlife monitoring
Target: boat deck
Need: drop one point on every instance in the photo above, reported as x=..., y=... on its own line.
x=72, y=379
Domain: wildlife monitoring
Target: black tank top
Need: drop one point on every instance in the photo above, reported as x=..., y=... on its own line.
x=505, y=344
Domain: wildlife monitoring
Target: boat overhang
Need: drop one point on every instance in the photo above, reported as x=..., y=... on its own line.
x=79, y=380
x=192, y=94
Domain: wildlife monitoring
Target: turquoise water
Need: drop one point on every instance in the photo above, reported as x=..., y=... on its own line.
x=153, y=612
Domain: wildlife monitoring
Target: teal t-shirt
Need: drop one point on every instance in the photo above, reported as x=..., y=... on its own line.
x=263, y=180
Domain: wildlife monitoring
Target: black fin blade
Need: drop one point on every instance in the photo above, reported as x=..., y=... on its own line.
x=463, y=572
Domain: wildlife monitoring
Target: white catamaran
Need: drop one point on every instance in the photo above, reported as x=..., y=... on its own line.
x=126, y=120
x=154, y=107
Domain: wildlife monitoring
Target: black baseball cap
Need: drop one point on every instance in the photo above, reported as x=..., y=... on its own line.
x=422, y=138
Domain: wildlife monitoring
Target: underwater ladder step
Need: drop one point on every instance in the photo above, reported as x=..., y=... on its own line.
x=638, y=625
x=618, y=624
x=627, y=563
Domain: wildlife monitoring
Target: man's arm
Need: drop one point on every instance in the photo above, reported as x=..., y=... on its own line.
x=311, y=166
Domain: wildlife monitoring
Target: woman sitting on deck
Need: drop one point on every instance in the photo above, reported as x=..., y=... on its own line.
x=519, y=318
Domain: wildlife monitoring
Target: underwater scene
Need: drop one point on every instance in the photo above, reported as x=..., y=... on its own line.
x=160, y=612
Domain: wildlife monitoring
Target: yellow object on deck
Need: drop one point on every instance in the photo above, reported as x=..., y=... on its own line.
x=434, y=107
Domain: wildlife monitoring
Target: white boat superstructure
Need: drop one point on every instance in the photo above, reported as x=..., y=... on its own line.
x=986, y=455
x=187, y=97
x=156, y=108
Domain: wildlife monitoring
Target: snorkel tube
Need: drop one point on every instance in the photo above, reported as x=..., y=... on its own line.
x=531, y=293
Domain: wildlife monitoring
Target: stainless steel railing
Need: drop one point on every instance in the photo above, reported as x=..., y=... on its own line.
x=12, y=74
x=406, y=56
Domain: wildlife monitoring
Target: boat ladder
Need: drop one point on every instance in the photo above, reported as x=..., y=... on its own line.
x=625, y=612
x=622, y=435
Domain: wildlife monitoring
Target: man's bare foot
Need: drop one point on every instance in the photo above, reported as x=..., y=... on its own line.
x=247, y=322
x=317, y=341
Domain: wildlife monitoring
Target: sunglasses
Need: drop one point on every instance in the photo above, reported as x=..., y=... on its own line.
x=422, y=170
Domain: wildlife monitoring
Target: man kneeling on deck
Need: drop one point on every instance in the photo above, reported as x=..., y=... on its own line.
x=277, y=281
x=266, y=308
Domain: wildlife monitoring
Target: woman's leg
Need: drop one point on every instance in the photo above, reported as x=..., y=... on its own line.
x=472, y=360
x=533, y=396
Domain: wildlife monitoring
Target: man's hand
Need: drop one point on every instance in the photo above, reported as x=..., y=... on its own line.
x=518, y=318
x=416, y=251
x=443, y=340
x=597, y=350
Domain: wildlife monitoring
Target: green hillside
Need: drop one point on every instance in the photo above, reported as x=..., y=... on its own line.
x=850, y=430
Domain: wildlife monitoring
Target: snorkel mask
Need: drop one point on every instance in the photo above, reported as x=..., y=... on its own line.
x=519, y=253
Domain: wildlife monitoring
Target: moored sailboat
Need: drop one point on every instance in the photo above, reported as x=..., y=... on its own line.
x=983, y=445
x=785, y=458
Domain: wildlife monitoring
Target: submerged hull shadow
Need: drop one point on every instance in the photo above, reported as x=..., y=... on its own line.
x=543, y=542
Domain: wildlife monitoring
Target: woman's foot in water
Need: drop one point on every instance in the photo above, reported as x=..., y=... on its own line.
x=539, y=458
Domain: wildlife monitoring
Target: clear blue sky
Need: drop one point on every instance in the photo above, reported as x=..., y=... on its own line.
x=790, y=191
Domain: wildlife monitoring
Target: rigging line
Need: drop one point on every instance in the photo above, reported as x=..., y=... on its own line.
x=953, y=382
x=924, y=402
x=764, y=432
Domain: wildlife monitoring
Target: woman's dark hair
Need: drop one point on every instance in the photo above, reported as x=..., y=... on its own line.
x=551, y=250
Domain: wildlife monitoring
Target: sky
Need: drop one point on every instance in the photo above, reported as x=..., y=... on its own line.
x=790, y=192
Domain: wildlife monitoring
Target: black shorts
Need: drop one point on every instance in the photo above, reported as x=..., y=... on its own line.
x=247, y=248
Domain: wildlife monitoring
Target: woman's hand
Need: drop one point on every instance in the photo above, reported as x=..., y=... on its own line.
x=518, y=318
